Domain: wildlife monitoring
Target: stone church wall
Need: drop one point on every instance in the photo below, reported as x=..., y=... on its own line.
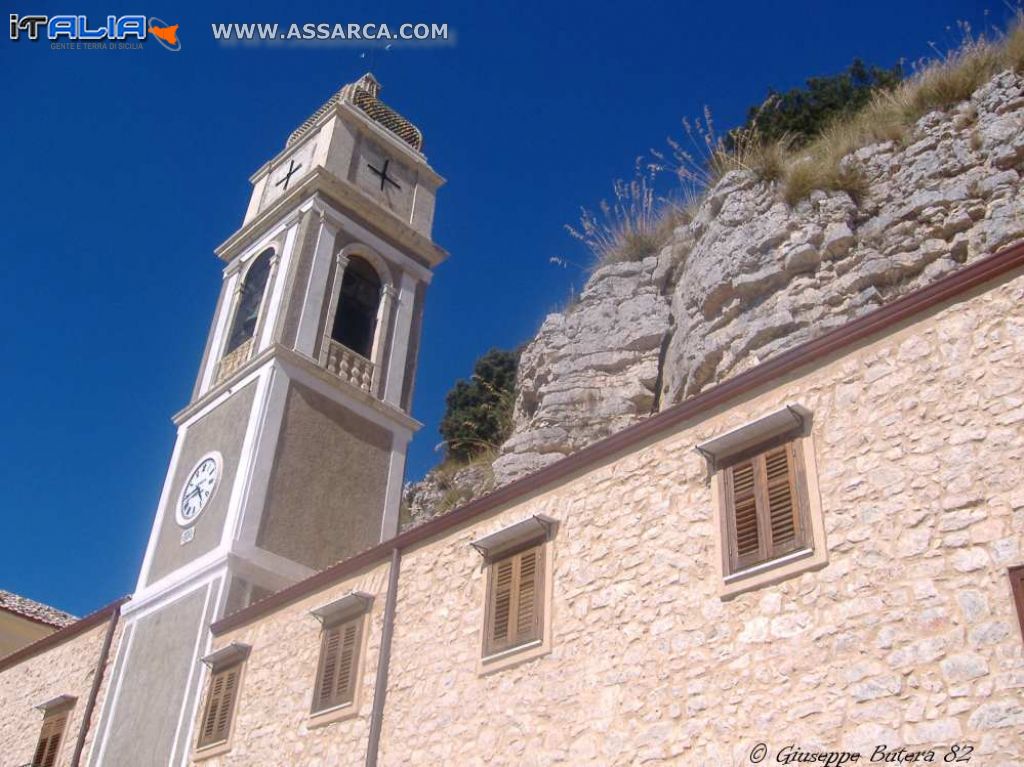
x=104, y=691
x=906, y=638
x=273, y=726
x=65, y=669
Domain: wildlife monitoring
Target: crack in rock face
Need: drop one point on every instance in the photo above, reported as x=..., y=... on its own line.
x=591, y=370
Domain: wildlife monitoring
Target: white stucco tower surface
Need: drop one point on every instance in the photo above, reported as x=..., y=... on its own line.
x=290, y=455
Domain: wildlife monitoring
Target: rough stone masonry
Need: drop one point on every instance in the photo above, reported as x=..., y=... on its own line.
x=907, y=638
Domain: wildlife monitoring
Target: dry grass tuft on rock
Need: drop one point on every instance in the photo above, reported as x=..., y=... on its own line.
x=1014, y=46
x=939, y=83
x=701, y=159
x=946, y=81
x=637, y=223
x=460, y=481
x=633, y=225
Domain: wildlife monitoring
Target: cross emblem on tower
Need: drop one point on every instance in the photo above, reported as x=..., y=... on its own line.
x=292, y=170
x=383, y=173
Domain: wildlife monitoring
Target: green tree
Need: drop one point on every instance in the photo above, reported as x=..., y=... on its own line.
x=478, y=412
x=800, y=114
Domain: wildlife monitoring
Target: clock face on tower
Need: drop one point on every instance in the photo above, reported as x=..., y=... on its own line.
x=198, y=489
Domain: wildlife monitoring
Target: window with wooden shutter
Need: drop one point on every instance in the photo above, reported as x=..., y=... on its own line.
x=50, y=737
x=215, y=726
x=337, y=672
x=515, y=602
x=765, y=514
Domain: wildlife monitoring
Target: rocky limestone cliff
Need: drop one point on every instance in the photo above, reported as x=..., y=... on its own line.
x=759, y=276
x=591, y=370
x=750, y=276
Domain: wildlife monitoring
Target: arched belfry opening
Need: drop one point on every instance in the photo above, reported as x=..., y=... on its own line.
x=355, y=321
x=250, y=298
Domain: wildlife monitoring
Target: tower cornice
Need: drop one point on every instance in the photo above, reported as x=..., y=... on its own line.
x=352, y=116
x=310, y=367
x=346, y=197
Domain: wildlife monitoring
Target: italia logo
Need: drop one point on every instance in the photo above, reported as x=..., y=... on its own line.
x=78, y=28
x=165, y=34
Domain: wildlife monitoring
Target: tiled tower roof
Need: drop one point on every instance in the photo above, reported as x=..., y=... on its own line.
x=363, y=94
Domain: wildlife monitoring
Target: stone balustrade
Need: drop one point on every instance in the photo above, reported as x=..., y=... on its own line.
x=349, y=366
x=233, y=360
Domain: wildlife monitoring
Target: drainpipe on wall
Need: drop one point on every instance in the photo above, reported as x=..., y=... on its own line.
x=97, y=682
x=380, y=686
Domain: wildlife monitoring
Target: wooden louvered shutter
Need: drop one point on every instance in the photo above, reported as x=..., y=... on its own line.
x=527, y=595
x=746, y=546
x=339, y=658
x=329, y=652
x=49, y=740
x=515, y=605
x=501, y=603
x=782, y=506
x=765, y=518
x=220, y=706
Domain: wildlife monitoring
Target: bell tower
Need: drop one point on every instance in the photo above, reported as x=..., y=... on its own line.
x=291, y=453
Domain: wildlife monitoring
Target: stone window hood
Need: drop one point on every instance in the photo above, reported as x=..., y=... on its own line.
x=789, y=422
x=236, y=652
x=55, y=704
x=347, y=606
x=531, y=529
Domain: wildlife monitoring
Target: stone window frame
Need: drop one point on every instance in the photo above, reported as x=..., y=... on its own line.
x=385, y=308
x=56, y=716
x=1016, y=575
x=790, y=426
x=236, y=297
x=535, y=532
x=233, y=657
x=353, y=608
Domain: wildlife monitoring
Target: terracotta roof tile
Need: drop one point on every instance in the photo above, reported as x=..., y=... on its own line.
x=363, y=93
x=36, y=611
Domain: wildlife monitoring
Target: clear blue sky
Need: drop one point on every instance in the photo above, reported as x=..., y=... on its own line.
x=123, y=170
